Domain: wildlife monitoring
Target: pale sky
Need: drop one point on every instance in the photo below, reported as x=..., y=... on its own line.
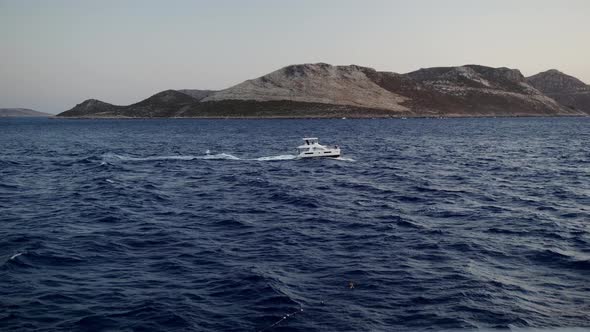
x=55, y=54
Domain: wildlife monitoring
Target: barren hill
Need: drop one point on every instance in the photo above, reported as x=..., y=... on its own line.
x=316, y=83
x=567, y=90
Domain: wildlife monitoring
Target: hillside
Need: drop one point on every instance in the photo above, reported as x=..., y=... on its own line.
x=197, y=94
x=479, y=90
x=22, y=112
x=92, y=108
x=566, y=90
x=316, y=83
x=323, y=90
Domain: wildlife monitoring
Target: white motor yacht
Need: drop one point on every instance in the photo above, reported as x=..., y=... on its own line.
x=313, y=149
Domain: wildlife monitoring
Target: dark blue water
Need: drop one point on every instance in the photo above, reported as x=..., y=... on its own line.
x=425, y=224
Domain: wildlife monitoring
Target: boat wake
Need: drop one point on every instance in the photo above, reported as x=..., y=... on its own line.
x=273, y=158
x=116, y=157
x=111, y=157
x=344, y=158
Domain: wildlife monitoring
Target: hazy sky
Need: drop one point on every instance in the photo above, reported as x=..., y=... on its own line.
x=55, y=54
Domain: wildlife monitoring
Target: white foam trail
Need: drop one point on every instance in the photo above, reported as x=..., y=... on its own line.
x=157, y=158
x=226, y=156
x=281, y=157
x=344, y=159
x=220, y=156
x=16, y=255
x=109, y=181
x=208, y=156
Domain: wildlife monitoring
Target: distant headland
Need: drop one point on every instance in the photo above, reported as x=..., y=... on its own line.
x=22, y=112
x=325, y=91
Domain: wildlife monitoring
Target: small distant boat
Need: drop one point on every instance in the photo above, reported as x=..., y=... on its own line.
x=313, y=149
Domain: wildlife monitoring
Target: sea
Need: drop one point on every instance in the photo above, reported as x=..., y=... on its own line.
x=214, y=225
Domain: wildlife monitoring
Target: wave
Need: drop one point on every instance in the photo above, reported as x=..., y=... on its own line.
x=560, y=259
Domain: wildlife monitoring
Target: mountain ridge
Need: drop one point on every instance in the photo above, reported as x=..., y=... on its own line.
x=324, y=90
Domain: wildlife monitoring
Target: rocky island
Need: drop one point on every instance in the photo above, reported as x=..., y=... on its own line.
x=321, y=91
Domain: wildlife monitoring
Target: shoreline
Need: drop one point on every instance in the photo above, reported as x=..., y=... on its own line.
x=316, y=117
